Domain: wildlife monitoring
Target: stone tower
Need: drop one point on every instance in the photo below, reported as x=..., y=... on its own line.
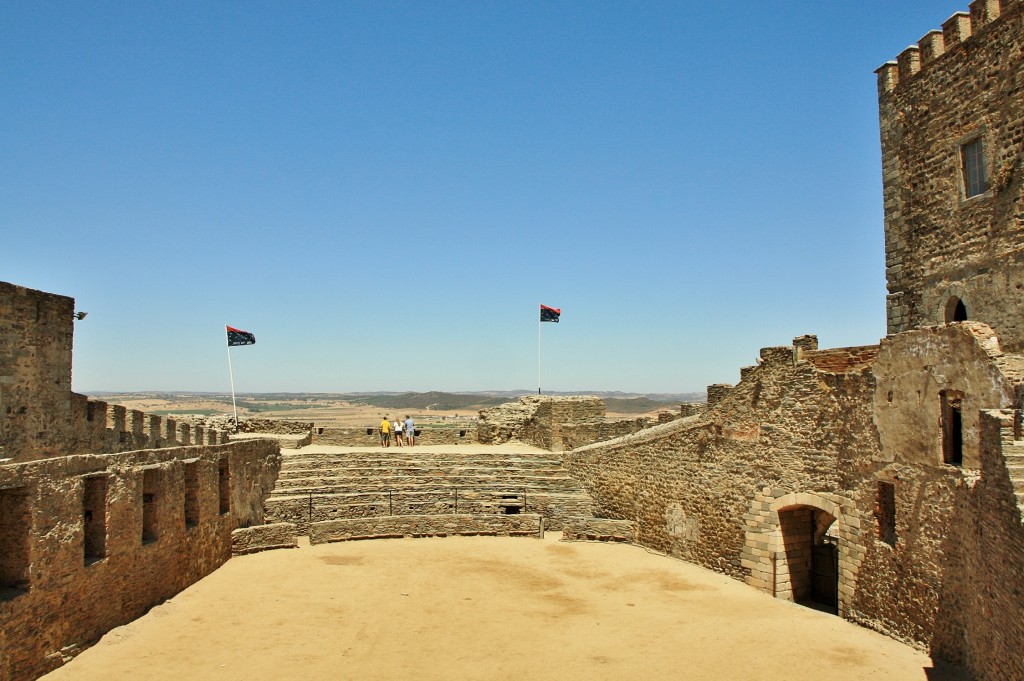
x=952, y=125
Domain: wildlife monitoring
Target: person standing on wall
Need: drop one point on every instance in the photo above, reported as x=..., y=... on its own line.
x=385, y=432
x=396, y=428
x=410, y=431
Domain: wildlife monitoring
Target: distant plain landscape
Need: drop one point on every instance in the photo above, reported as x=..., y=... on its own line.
x=361, y=409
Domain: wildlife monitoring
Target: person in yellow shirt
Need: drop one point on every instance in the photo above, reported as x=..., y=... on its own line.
x=385, y=432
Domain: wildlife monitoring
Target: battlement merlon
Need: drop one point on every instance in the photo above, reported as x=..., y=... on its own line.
x=955, y=30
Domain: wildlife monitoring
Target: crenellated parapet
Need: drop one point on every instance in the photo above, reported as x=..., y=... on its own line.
x=40, y=417
x=951, y=119
x=933, y=45
x=99, y=427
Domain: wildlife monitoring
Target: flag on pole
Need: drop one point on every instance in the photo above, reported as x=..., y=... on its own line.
x=549, y=314
x=239, y=337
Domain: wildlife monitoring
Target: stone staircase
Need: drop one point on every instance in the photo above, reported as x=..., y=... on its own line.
x=317, y=486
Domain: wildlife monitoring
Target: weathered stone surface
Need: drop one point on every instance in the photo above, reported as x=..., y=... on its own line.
x=317, y=486
x=558, y=423
x=792, y=458
x=91, y=542
x=388, y=527
x=263, y=537
x=940, y=245
x=39, y=415
x=598, y=529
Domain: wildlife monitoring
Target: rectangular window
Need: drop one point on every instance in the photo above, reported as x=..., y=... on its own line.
x=15, y=530
x=885, y=512
x=950, y=402
x=149, y=505
x=94, y=518
x=191, y=493
x=972, y=159
x=224, y=479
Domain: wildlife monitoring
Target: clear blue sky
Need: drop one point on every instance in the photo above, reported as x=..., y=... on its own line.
x=385, y=192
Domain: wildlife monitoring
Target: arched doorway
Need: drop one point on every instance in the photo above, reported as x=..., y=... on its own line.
x=956, y=311
x=811, y=555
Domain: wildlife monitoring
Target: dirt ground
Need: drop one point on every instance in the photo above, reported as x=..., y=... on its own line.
x=486, y=608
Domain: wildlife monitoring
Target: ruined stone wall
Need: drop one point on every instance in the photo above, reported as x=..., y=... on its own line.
x=91, y=542
x=277, y=426
x=957, y=85
x=947, y=579
x=575, y=435
x=688, y=484
x=552, y=423
x=506, y=421
x=955, y=533
x=980, y=604
x=851, y=443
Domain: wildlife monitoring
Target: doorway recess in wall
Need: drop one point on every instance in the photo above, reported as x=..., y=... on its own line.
x=952, y=427
x=15, y=530
x=810, y=571
x=94, y=518
x=150, y=484
x=191, y=501
x=885, y=512
x=224, y=485
x=956, y=311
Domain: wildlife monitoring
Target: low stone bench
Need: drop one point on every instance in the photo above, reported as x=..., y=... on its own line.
x=598, y=529
x=263, y=538
x=391, y=527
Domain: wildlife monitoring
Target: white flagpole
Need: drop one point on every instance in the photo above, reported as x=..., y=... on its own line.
x=539, y=324
x=231, y=373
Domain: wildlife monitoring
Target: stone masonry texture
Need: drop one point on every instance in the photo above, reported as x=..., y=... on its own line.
x=61, y=588
x=792, y=459
x=960, y=84
x=885, y=481
x=104, y=511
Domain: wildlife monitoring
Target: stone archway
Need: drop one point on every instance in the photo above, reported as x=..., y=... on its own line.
x=803, y=547
x=955, y=310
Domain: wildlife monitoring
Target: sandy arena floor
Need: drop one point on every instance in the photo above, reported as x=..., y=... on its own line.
x=486, y=608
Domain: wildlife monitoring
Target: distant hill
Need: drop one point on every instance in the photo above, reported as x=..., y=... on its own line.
x=476, y=401
x=618, y=402
x=429, y=400
x=639, y=405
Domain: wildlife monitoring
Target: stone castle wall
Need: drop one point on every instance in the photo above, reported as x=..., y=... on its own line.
x=958, y=84
x=91, y=542
x=847, y=447
x=689, y=483
x=35, y=370
x=39, y=415
x=555, y=423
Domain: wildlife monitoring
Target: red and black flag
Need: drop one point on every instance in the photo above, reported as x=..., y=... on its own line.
x=549, y=314
x=239, y=337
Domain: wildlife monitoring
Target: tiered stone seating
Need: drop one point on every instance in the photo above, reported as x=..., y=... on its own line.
x=315, y=486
